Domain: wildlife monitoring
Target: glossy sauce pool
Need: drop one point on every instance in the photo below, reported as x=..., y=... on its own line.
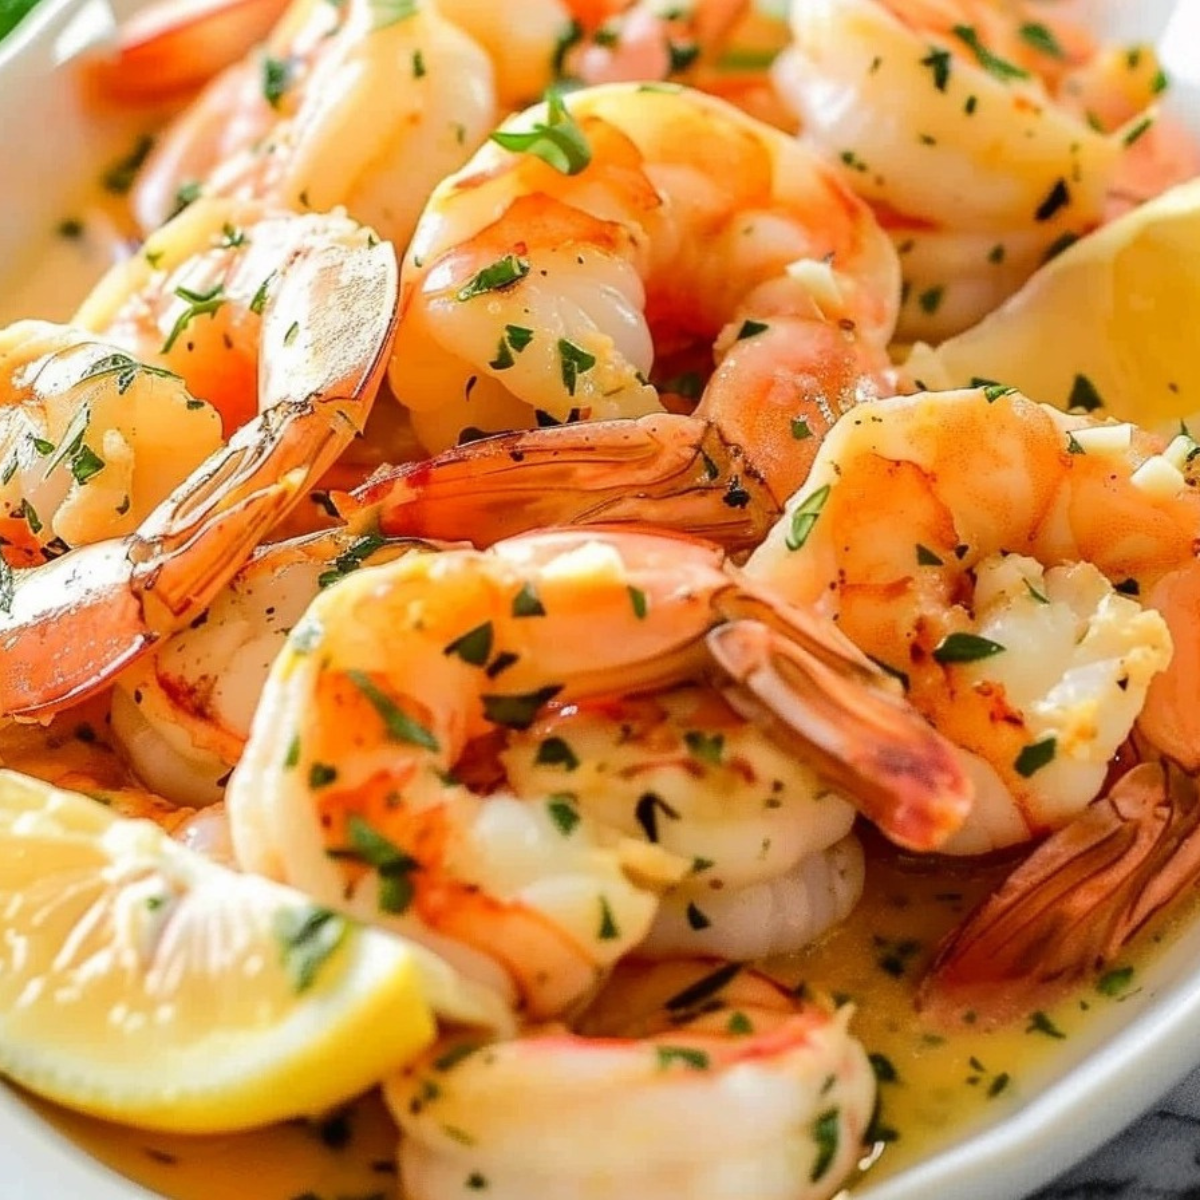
x=934, y=1086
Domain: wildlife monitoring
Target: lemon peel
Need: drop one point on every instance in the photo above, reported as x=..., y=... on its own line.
x=142, y=983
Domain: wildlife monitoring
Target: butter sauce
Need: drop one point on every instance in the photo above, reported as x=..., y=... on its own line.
x=934, y=1086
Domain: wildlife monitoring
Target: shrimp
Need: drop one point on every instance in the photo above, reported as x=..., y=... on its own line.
x=312, y=320
x=1025, y=571
x=406, y=676
x=365, y=105
x=183, y=713
x=944, y=114
x=690, y=1078
x=623, y=231
x=171, y=48
x=773, y=864
x=1074, y=903
x=91, y=440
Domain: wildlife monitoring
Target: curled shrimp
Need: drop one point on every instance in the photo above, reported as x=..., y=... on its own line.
x=722, y=1083
x=91, y=439
x=944, y=113
x=1025, y=571
x=773, y=862
x=307, y=328
x=554, y=291
x=402, y=678
x=364, y=105
x=183, y=713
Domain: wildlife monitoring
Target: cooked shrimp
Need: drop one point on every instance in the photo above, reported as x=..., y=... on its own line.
x=628, y=232
x=1009, y=561
x=170, y=48
x=193, y=300
x=1073, y=905
x=91, y=440
x=404, y=673
x=685, y=772
x=311, y=322
x=689, y=1078
x=365, y=104
x=944, y=114
x=183, y=713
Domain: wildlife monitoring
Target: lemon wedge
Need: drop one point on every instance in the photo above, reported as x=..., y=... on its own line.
x=1106, y=325
x=142, y=983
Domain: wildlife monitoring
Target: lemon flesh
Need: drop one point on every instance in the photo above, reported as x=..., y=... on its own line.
x=142, y=983
x=1117, y=310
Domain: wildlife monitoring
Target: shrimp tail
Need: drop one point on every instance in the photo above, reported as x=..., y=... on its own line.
x=843, y=715
x=69, y=626
x=1071, y=907
x=673, y=471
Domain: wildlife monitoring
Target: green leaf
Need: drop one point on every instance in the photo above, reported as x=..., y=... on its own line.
x=393, y=865
x=518, y=711
x=751, y=329
x=199, y=304
x=574, y=361
x=938, y=61
x=992, y=63
x=646, y=811
x=638, y=599
x=85, y=463
x=686, y=1056
x=1035, y=756
x=307, y=938
x=557, y=141
x=400, y=726
x=1042, y=39
x=527, y=603
x=805, y=517
x=564, y=814
x=497, y=276
x=119, y=178
x=608, y=930
x=556, y=752
x=825, y=1133
x=1114, y=982
x=1039, y=1022
x=277, y=78
x=1084, y=395
x=965, y=648
x=705, y=747
x=474, y=647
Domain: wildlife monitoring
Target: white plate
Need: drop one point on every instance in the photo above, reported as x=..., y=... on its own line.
x=1116, y=1066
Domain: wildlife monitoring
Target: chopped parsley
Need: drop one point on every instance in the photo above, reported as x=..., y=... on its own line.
x=307, y=937
x=805, y=517
x=965, y=648
x=557, y=141
x=501, y=274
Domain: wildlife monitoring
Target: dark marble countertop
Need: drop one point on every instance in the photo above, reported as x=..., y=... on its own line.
x=1156, y=1158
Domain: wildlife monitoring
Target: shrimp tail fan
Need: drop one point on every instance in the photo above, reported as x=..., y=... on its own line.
x=810, y=690
x=1074, y=904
